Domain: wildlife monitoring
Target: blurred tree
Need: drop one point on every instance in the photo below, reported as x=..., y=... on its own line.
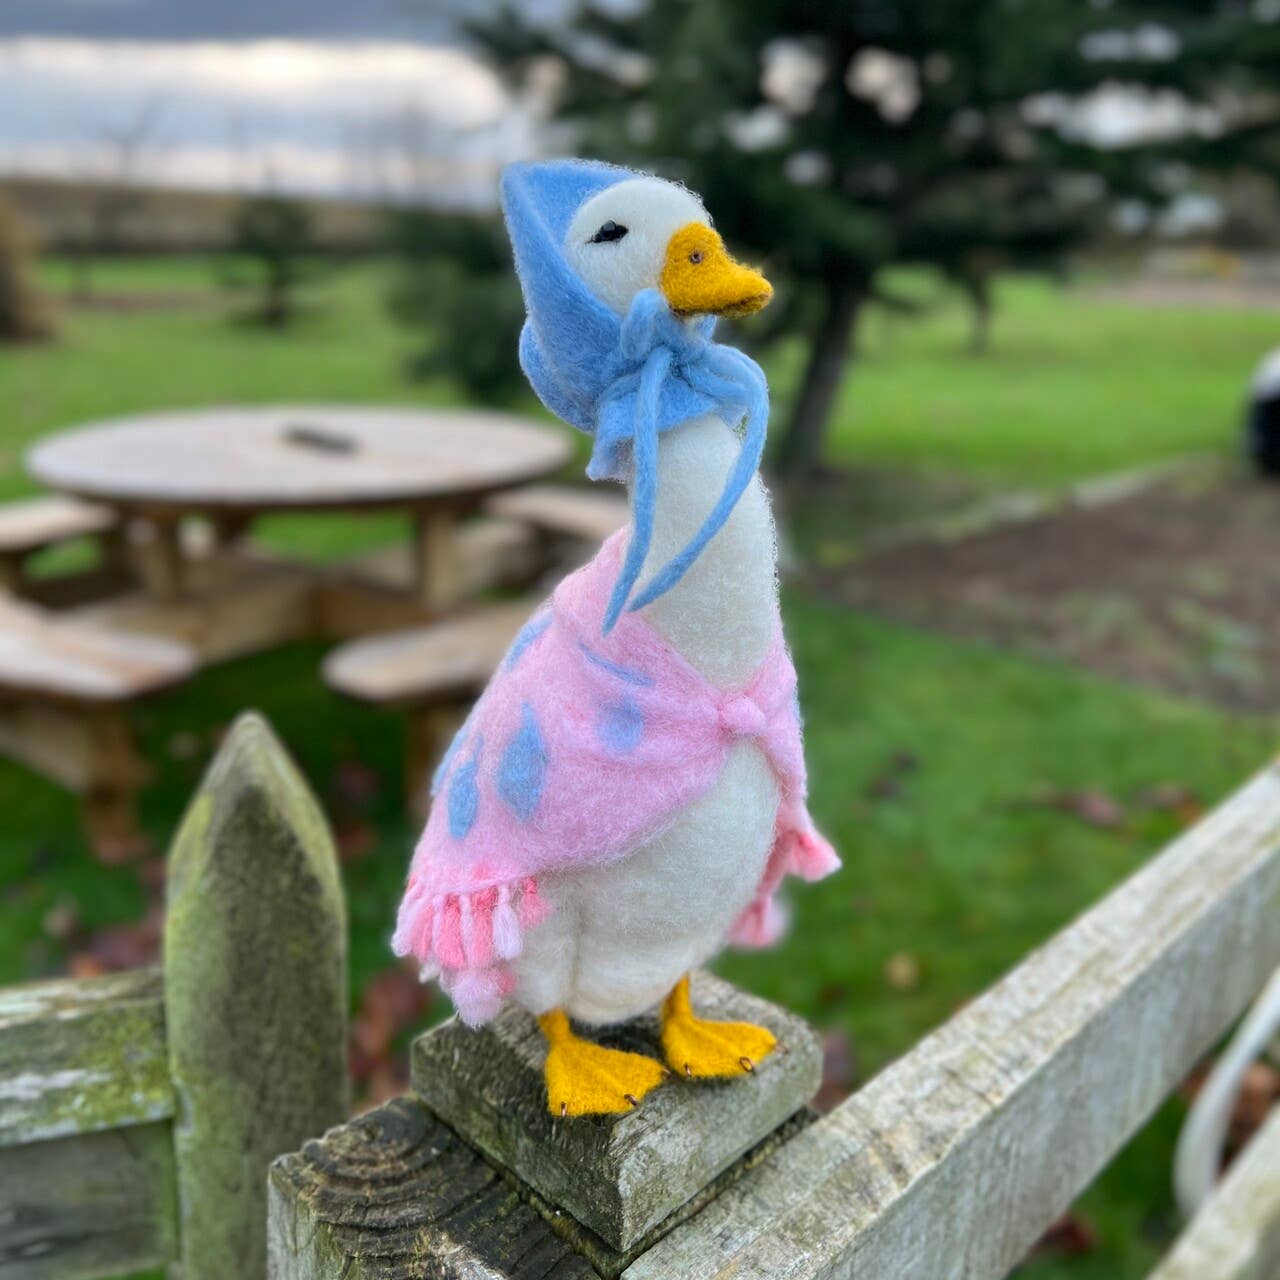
x=24, y=312
x=837, y=141
x=276, y=233
x=112, y=179
x=456, y=285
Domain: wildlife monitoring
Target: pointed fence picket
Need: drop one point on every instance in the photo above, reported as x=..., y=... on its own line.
x=139, y=1111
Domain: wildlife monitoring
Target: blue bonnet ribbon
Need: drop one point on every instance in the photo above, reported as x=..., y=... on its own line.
x=624, y=380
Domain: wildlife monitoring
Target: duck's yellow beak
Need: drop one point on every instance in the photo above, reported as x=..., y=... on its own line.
x=700, y=278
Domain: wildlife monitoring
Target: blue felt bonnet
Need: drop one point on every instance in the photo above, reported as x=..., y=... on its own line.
x=622, y=380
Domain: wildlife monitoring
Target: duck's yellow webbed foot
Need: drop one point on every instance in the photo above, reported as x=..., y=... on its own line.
x=585, y=1079
x=702, y=1049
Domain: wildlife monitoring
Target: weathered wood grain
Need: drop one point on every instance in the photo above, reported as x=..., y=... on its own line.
x=247, y=459
x=441, y=662
x=492, y=552
x=29, y=524
x=99, y=1204
x=82, y=1055
x=259, y=607
x=396, y=1195
x=51, y=657
x=588, y=515
x=1236, y=1234
x=951, y=1162
x=618, y=1175
x=255, y=994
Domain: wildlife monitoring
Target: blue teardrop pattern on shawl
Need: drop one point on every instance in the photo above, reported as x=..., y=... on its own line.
x=525, y=637
x=522, y=770
x=464, y=795
x=442, y=769
x=620, y=726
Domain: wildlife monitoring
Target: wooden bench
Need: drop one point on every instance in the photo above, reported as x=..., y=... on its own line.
x=562, y=511
x=32, y=524
x=64, y=688
x=372, y=593
x=432, y=672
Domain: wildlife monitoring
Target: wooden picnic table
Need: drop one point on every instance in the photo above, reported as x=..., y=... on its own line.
x=68, y=673
x=232, y=464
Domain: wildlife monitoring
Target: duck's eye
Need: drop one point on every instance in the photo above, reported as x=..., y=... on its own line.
x=610, y=231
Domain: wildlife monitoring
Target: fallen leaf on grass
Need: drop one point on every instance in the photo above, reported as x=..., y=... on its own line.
x=1172, y=797
x=389, y=1081
x=832, y=994
x=839, y=1071
x=392, y=1002
x=888, y=783
x=1072, y=1236
x=1093, y=806
x=118, y=947
x=1259, y=1092
x=355, y=839
x=62, y=921
x=355, y=787
x=902, y=971
x=184, y=745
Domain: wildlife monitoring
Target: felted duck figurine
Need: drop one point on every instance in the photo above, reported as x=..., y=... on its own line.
x=629, y=791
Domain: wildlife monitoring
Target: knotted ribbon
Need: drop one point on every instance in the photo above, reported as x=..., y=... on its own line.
x=657, y=350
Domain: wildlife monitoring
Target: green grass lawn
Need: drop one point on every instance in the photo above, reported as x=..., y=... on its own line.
x=926, y=755
x=1073, y=385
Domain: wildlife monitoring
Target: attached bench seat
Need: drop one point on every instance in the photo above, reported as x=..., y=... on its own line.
x=64, y=689
x=433, y=672
x=585, y=515
x=47, y=658
x=491, y=552
x=32, y=524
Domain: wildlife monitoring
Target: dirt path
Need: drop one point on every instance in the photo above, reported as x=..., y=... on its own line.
x=1177, y=586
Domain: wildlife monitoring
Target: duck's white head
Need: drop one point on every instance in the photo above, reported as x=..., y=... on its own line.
x=646, y=233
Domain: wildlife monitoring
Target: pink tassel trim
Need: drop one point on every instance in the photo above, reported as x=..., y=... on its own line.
x=466, y=937
x=797, y=850
x=477, y=994
x=810, y=855
x=760, y=925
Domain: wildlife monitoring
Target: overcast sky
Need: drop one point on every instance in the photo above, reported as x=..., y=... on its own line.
x=371, y=98
x=365, y=96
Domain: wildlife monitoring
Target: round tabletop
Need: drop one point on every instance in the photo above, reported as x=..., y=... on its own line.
x=296, y=457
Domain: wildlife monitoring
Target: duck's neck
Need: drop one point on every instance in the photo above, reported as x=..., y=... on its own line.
x=721, y=614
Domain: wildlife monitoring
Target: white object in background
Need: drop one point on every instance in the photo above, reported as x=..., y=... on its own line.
x=1198, y=1159
x=1266, y=379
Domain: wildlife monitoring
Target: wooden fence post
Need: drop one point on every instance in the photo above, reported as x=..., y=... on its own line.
x=255, y=995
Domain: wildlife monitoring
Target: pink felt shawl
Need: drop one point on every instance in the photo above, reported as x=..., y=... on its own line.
x=582, y=749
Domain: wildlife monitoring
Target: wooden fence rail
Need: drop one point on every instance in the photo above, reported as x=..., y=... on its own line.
x=949, y=1165
x=139, y=1112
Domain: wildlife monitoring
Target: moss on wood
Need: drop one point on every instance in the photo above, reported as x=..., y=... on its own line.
x=620, y=1176
x=255, y=994
x=396, y=1195
x=82, y=1056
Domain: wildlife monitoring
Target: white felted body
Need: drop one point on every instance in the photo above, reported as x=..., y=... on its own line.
x=621, y=935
